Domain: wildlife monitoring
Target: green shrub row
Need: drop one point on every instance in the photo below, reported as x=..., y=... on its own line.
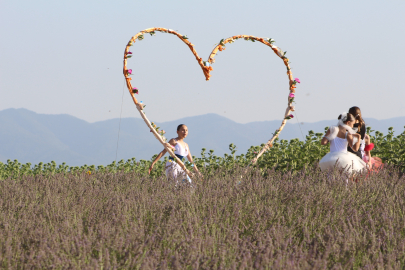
x=285, y=155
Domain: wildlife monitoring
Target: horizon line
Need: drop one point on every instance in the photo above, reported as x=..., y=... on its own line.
x=133, y=117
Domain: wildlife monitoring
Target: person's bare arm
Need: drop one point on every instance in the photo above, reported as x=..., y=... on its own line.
x=324, y=140
x=367, y=139
x=190, y=158
x=368, y=153
x=356, y=146
x=171, y=143
x=159, y=156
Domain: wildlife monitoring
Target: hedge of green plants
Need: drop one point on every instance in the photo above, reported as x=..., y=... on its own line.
x=284, y=156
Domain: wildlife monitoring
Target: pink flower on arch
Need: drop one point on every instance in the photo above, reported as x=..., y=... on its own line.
x=291, y=95
x=129, y=71
x=288, y=117
x=129, y=52
x=297, y=80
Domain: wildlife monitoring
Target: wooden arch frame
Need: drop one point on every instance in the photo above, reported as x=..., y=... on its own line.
x=206, y=67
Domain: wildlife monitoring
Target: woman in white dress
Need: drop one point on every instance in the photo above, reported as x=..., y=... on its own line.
x=340, y=137
x=181, y=150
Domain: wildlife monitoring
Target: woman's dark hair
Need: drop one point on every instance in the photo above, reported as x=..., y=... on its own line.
x=179, y=126
x=349, y=117
x=356, y=112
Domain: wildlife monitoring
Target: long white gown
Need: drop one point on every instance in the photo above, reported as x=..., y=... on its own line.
x=173, y=170
x=340, y=157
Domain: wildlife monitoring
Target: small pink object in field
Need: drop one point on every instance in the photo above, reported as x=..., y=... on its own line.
x=135, y=90
x=292, y=116
x=291, y=95
x=129, y=52
x=129, y=71
x=297, y=80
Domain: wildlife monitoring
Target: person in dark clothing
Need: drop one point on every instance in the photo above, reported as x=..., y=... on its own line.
x=360, y=128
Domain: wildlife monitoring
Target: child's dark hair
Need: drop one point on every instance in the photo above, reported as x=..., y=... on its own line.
x=179, y=126
x=356, y=112
x=349, y=117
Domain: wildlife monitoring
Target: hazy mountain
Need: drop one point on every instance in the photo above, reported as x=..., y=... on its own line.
x=31, y=137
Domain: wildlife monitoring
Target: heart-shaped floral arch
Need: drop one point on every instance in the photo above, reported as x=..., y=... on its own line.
x=207, y=68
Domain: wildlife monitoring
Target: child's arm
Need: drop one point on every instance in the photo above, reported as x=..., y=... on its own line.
x=324, y=140
x=190, y=158
x=161, y=154
x=368, y=153
x=350, y=138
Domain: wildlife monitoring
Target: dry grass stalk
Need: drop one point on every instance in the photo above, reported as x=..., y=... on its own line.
x=303, y=220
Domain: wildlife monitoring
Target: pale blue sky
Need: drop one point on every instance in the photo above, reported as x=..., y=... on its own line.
x=66, y=57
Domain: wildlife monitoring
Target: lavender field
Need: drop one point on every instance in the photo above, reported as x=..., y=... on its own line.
x=277, y=220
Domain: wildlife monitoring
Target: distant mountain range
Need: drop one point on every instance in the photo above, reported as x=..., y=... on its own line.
x=31, y=137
